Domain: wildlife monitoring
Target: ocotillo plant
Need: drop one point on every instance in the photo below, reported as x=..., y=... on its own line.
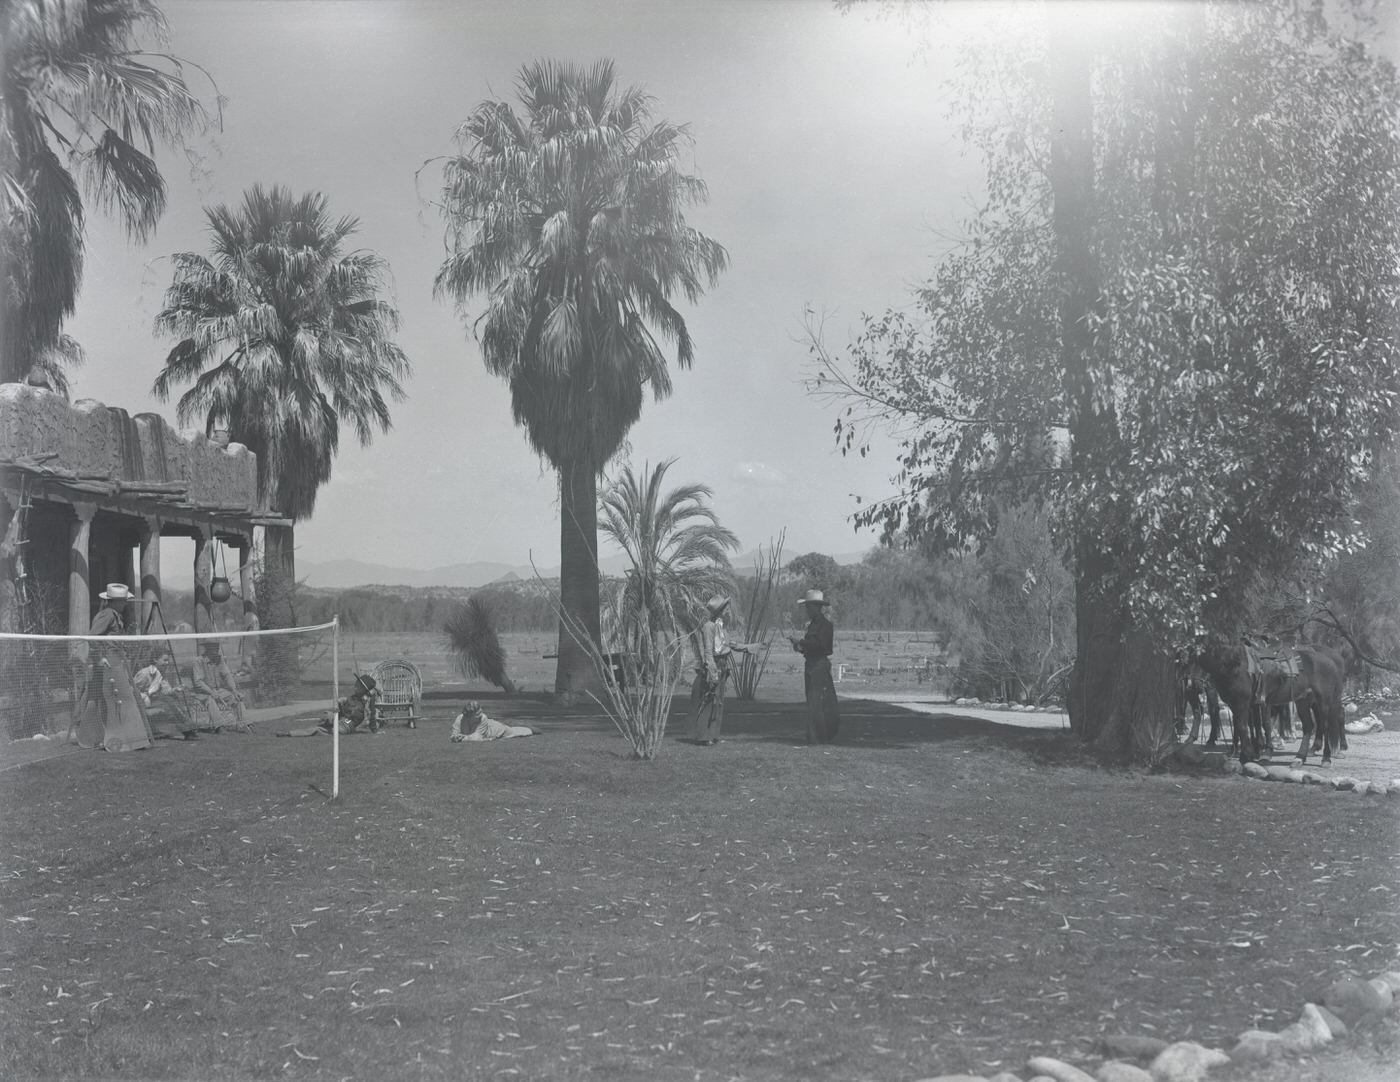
x=758, y=627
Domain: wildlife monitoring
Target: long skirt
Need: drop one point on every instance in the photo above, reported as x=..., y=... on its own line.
x=822, y=717
x=707, y=706
x=110, y=712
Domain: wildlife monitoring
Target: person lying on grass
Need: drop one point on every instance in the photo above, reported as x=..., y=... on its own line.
x=473, y=724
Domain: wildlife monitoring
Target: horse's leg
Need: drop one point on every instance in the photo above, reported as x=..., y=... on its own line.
x=1193, y=699
x=1213, y=709
x=1283, y=720
x=1259, y=728
x=1307, y=721
x=1239, y=703
x=1335, y=731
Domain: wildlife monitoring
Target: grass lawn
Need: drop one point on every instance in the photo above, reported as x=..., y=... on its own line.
x=930, y=895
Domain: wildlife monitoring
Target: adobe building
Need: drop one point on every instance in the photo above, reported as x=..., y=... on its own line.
x=87, y=492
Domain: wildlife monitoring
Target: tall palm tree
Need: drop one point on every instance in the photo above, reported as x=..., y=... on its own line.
x=679, y=552
x=283, y=335
x=570, y=218
x=82, y=110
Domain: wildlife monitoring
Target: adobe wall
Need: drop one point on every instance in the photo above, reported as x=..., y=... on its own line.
x=99, y=443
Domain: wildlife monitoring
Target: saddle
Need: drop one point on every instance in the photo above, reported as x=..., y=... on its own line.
x=1258, y=664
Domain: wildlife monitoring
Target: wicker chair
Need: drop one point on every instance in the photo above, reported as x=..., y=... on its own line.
x=400, y=693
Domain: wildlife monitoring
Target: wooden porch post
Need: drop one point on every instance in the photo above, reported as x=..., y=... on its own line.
x=8, y=553
x=150, y=573
x=203, y=574
x=79, y=590
x=246, y=589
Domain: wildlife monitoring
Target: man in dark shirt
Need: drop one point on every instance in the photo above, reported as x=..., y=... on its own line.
x=816, y=647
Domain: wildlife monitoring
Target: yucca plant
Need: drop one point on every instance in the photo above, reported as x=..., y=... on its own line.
x=472, y=640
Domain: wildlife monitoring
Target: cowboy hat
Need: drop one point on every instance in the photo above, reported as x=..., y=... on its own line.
x=717, y=605
x=813, y=597
x=115, y=591
x=366, y=683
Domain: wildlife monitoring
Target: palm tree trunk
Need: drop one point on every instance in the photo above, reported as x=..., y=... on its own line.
x=279, y=575
x=278, y=666
x=578, y=579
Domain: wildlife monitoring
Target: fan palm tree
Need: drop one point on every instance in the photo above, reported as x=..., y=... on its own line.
x=283, y=335
x=569, y=217
x=82, y=110
x=679, y=552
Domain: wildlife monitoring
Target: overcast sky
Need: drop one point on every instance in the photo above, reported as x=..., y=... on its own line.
x=832, y=169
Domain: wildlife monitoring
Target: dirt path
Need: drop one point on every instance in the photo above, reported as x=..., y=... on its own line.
x=1369, y=756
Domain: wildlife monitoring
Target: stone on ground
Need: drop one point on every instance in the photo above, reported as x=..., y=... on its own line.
x=1351, y=998
x=1058, y=1069
x=1186, y=1061
x=1256, y=1046
x=1337, y=1027
x=1308, y=1033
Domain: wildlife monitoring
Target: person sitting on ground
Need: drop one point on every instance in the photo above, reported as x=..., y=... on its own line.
x=473, y=724
x=350, y=712
x=357, y=708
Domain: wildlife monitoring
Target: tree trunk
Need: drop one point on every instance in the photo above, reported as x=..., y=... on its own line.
x=277, y=662
x=279, y=576
x=1123, y=686
x=578, y=581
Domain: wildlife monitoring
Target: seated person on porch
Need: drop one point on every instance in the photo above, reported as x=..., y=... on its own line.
x=214, y=685
x=473, y=724
x=160, y=699
x=157, y=683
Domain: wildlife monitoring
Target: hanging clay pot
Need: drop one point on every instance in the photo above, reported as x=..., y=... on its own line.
x=220, y=589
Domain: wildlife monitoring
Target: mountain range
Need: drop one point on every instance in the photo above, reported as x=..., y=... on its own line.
x=346, y=574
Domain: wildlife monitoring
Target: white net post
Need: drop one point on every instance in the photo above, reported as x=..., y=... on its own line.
x=335, y=707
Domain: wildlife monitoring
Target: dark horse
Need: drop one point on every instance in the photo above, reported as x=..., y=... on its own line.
x=1310, y=677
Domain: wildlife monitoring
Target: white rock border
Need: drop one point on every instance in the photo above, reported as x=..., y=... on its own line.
x=1347, y=998
x=1340, y=783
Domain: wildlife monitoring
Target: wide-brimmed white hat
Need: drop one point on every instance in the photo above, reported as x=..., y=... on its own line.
x=717, y=604
x=115, y=591
x=813, y=597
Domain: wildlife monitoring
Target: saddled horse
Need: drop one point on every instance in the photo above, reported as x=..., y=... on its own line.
x=1197, y=687
x=1310, y=677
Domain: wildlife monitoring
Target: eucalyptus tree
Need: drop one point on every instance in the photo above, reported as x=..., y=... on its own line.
x=83, y=109
x=283, y=335
x=569, y=218
x=1172, y=320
